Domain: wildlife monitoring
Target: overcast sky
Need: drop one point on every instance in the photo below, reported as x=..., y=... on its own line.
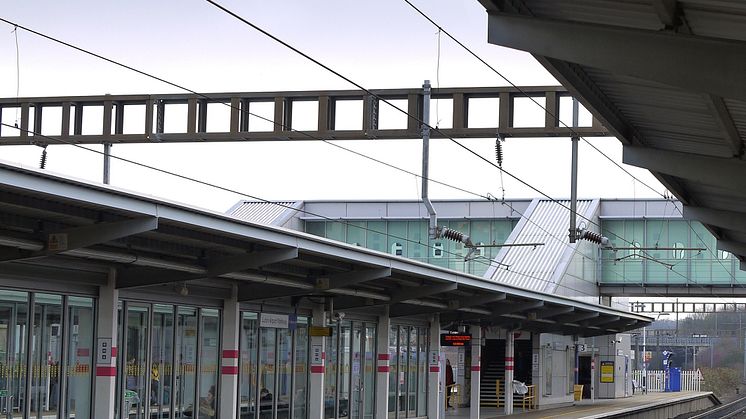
x=382, y=44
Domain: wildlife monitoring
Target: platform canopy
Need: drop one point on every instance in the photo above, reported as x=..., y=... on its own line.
x=665, y=76
x=69, y=235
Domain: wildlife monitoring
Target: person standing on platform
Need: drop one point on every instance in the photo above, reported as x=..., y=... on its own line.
x=449, y=383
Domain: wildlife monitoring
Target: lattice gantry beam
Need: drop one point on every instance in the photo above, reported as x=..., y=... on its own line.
x=281, y=116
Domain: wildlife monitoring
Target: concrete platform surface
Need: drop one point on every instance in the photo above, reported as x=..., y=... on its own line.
x=586, y=409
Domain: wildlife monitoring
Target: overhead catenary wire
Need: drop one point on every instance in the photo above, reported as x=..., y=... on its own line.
x=556, y=117
x=471, y=52
x=204, y=96
x=256, y=198
x=415, y=117
x=258, y=116
x=336, y=145
x=128, y=67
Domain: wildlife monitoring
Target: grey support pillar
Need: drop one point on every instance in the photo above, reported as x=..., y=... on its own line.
x=382, y=366
x=509, y=375
x=106, y=350
x=476, y=367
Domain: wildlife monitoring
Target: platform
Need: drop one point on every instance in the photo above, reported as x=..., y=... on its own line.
x=605, y=408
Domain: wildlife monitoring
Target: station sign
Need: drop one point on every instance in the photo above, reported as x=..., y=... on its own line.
x=455, y=339
x=607, y=371
x=277, y=321
x=320, y=331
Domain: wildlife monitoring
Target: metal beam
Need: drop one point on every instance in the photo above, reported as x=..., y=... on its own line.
x=727, y=173
x=737, y=248
x=196, y=116
x=79, y=237
x=453, y=305
x=579, y=317
x=724, y=119
x=680, y=290
x=321, y=286
x=516, y=308
x=413, y=293
x=256, y=292
x=347, y=279
x=667, y=12
x=600, y=320
x=143, y=277
x=645, y=54
x=543, y=314
x=730, y=220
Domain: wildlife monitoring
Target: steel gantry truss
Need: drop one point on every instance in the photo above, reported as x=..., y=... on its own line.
x=150, y=112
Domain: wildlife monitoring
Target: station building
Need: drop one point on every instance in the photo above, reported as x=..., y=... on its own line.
x=114, y=304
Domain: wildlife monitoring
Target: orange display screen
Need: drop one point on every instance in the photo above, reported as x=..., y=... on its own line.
x=455, y=339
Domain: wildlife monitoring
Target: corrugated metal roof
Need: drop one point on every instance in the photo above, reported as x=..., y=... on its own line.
x=533, y=268
x=267, y=213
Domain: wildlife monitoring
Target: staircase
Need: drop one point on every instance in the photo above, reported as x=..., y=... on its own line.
x=493, y=369
x=490, y=374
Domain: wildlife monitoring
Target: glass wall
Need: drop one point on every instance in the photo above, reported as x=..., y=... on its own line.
x=403, y=238
x=45, y=353
x=349, y=382
x=673, y=255
x=273, y=373
x=168, y=367
x=408, y=375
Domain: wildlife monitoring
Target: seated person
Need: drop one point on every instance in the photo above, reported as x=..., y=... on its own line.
x=207, y=404
x=265, y=395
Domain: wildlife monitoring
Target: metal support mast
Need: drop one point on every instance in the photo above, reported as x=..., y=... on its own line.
x=574, y=175
x=433, y=226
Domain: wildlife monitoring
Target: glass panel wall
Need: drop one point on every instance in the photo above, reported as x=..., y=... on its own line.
x=284, y=371
x=274, y=369
x=169, y=362
x=300, y=379
x=410, y=239
x=330, y=376
x=208, y=362
x=247, y=376
x=349, y=390
x=161, y=368
x=343, y=378
x=673, y=254
x=186, y=343
x=408, y=375
x=46, y=354
x=267, y=370
x=80, y=322
x=369, y=374
x=49, y=361
x=135, y=353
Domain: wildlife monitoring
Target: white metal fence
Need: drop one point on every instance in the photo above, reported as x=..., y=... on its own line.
x=690, y=380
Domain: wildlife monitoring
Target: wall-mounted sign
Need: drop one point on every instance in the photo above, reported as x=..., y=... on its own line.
x=317, y=355
x=607, y=371
x=319, y=331
x=455, y=339
x=434, y=358
x=103, y=352
x=277, y=321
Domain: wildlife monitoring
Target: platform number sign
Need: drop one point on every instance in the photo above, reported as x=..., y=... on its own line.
x=103, y=352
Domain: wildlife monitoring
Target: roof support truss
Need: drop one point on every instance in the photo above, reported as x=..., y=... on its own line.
x=322, y=285
x=142, y=277
x=724, y=172
x=88, y=235
x=649, y=55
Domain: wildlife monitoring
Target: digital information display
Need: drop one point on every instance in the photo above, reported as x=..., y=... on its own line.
x=455, y=339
